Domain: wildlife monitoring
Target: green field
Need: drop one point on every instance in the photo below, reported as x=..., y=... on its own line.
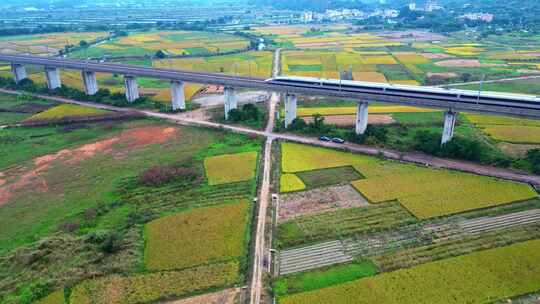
x=321, y=278
x=144, y=170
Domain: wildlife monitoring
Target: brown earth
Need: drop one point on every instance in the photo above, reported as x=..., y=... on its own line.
x=445, y=75
x=18, y=179
x=227, y=296
x=319, y=200
x=436, y=55
x=350, y=120
x=466, y=63
x=516, y=150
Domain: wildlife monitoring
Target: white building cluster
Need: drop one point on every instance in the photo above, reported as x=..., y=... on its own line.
x=486, y=17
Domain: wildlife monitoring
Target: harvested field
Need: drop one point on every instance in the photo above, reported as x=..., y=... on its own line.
x=443, y=75
x=514, y=134
x=319, y=200
x=436, y=55
x=227, y=296
x=516, y=150
x=464, y=63
x=350, y=120
x=151, y=287
x=340, y=223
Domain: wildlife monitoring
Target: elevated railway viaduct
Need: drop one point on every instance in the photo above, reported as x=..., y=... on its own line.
x=450, y=100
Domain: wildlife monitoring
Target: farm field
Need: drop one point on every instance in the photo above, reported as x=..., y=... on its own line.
x=197, y=237
x=67, y=111
x=507, y=129
x=387, y=181
x=310, y=111
x=501, y=273
x=252, y=63
x=147, y=172
x=230, y=168
x=15, y=109
x=170, y=42
x=45, y=44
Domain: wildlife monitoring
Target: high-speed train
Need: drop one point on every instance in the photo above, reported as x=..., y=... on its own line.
x=433, y=93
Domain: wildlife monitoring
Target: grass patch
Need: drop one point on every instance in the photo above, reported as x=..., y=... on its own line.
x=56, y=297
x=321, y=278
x=327, y=177
x=196, y=237
x=497, y=274
x=230, y=168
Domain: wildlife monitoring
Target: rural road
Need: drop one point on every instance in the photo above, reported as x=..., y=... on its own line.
x=264, y=195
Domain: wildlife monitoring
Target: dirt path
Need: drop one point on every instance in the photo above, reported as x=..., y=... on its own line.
x=259, y=256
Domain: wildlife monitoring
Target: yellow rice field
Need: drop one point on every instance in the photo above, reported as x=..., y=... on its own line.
x=66, y=111
x=230, y=168
x=45, y=44
x=425, y=192
x=290, y=182
x=303, y=112
x=197, y=237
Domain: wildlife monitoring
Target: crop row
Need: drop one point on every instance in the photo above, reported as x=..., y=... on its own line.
x=146, y=288
x=454, y=247
x=341, y=223
x=480, y=277
x=196, y=237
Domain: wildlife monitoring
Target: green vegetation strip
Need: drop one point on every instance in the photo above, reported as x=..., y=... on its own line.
x=327, y=177
x=479, y=277
x=322, y=278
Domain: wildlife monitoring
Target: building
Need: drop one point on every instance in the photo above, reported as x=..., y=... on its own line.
x=485, y=17
x=307, y=17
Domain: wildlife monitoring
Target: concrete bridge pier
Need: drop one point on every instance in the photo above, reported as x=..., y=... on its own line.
x=90, y=82
x=449, y=123
x=52, y=76
x=132, y=88
x=290, y=108
x=178, y=97
x=230, y=100
x=19, y=72
x=361, y=117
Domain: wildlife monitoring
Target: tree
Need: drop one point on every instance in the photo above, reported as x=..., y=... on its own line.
x=83, y=43
x=160, y=54
x=466, y=77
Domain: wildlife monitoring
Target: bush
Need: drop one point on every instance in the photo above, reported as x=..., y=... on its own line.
x=160, y=175
x=458, y=147
x=533, y=157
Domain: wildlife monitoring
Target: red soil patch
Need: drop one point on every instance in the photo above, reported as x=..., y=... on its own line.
x=18, y=179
